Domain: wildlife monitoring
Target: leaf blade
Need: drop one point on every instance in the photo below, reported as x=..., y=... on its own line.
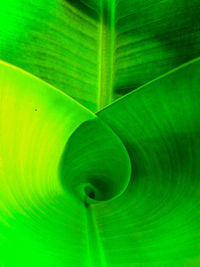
x=159, y=125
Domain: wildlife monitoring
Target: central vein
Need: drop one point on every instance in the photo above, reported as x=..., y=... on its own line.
x=106, y=52
x=96, y=257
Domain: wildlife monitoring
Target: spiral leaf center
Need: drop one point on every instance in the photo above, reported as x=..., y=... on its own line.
x=95, y=165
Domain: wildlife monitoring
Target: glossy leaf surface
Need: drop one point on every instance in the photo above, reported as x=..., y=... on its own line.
x=157, y=219
x=97, y=51
x=39, y=219
x=103, y=168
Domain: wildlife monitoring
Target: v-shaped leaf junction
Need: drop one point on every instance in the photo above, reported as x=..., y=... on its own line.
x=118, y=186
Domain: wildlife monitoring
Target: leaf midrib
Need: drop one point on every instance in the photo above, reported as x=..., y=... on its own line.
x=106, y=53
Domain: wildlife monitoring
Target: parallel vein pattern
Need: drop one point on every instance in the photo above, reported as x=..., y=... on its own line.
x=119, y=188
x=54, y=41
x=153, y=37
x=157, y=220
x=97, y=51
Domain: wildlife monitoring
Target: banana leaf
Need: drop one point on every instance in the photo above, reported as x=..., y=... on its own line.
x=99, y=133
x=157, y=220
x=98, y=50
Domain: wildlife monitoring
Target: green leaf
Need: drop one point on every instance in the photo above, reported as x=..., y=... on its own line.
x=54, y=41
x=157, y=220
x=42, y=209
x=67, y=197
x=97, y=51
x=38, y=219
x=153, y=37
x=96, y=160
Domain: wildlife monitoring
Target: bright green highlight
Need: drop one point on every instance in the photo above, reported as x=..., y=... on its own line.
x=56, y=159
x=40, y=224
x=119, y=188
